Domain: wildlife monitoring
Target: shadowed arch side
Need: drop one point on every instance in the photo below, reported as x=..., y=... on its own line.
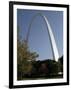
x=55, y=52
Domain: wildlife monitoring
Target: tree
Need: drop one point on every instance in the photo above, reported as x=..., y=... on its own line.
x=52, y=67
x=61, y=63
x=25, y=57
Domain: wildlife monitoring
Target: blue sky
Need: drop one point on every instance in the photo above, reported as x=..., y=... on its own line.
x=39, y=39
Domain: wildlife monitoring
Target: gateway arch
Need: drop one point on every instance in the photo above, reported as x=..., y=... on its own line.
x=54, y=48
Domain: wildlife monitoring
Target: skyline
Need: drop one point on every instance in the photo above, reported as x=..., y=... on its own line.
x=38, y=39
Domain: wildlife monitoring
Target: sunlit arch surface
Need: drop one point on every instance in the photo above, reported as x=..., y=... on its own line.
x=50, y=33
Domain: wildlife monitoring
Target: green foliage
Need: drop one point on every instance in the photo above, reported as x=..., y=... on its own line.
x=24, y=58
x=61, y=64
x=53, y=67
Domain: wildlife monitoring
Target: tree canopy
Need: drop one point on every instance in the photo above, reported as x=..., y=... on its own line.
x=25, y=57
